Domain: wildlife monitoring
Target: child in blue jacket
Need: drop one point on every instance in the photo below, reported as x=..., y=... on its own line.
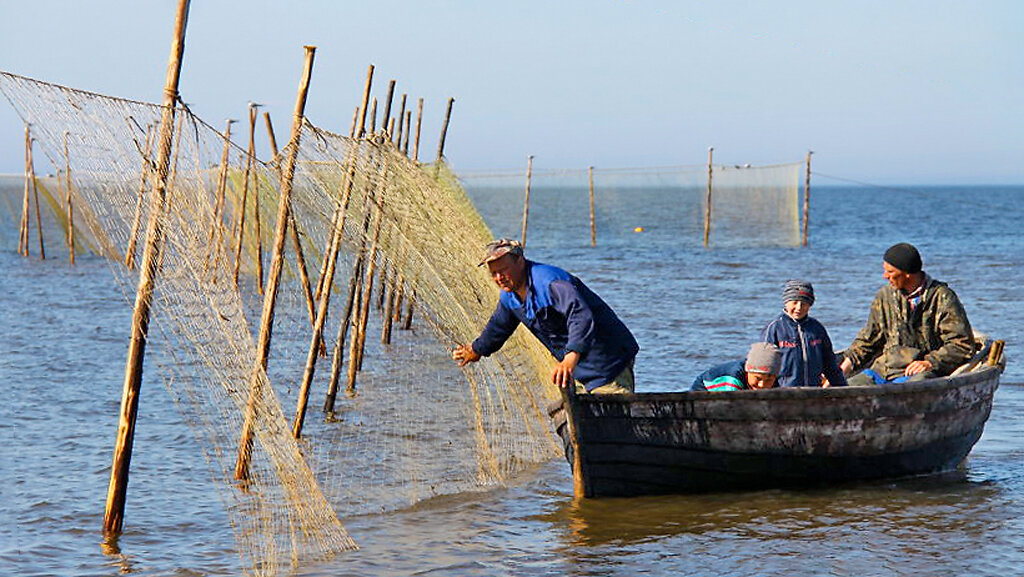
x=757, y=371
x=806, y=347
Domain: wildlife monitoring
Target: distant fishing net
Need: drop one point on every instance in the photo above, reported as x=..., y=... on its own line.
x=750, y=205
x=404, y=423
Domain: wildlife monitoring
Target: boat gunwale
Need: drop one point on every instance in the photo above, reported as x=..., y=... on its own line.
x=934, y=385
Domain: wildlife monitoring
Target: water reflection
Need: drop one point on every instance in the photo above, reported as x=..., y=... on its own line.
x=763, y=514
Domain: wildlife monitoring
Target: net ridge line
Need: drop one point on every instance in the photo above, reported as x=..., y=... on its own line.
x=669, y=169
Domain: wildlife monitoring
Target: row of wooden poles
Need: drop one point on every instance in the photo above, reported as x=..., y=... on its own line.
x=395, y=132
x=707, y=205
x=31, y=196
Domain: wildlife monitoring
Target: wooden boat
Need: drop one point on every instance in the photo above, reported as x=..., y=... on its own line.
x=651, y=443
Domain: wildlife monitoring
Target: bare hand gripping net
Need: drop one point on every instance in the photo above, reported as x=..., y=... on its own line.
x=399, y=243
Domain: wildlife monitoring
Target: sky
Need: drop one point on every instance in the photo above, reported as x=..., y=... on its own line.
x=884, y=92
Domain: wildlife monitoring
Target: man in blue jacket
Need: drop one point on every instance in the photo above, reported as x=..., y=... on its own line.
x=593, y=347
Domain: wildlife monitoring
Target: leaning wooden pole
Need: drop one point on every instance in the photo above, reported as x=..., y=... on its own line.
x=217, y=227
x=274, y=275
x=384, y=125
x=707, y=202
x=25, y=200
x=807, y=197
x=330, y=261
x=71, y=212
x=419, y=124
x=241, y=217
x=593, y=220
x=293, y=227
x=257, y=220
x=35, y=199
x=444, y=135
x=526, y=199
x=113, y=517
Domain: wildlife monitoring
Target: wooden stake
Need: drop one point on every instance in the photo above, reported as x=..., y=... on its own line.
x=444, y=130
x=593, y=221
x=384, y=125
x=273, y=280
x=373, y=115
x=241, y=213
x=707, y=207
x=35, y=197
x=113, y=517
x=300, y=258
x=144, y=171
x=401, y=123
x=419, y=123
x=71, y=213
x=366, y=102
x=807, y=197
x=526, y=199
x=407, y=323
x=408, y=124
x=338, y=357
x=217, y=229
x=330, y=260
x=25, y=207
x=253, y=114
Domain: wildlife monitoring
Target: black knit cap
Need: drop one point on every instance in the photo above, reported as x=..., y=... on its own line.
x=905, y=257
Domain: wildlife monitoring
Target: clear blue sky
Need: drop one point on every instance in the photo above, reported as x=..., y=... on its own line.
x=882, y=91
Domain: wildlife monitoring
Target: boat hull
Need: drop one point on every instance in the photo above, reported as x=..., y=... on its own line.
x=651, y=443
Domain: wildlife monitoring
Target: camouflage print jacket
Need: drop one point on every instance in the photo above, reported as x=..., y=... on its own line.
x=894, y=336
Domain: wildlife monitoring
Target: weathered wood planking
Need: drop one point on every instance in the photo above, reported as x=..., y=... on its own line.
x=697, y=441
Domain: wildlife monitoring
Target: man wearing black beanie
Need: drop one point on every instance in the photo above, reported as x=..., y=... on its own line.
x=916, y=328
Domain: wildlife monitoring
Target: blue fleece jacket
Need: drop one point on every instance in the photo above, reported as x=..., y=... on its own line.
x=565, y=316
x=806, y=352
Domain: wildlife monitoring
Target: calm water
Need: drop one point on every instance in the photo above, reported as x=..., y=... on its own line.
x=63, y=337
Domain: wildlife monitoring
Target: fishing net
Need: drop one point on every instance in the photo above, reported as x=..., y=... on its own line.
x=750, y=205
x=391, y=420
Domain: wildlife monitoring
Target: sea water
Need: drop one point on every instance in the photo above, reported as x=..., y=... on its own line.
x=63, y=337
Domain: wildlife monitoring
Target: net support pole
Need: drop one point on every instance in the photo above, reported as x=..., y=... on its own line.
x=707, y=202
x=444, y=135
x=419, y=124
x=385, y=125
x=526, y=199
x=807, y=197
x=274, y=275
x=113, y=517
x=401, y=124
x=35, y=199
x=71, y=212
x=23, y=230
x=217, y=227
x=293, y=227
x=257, y=220
x=405, y=133
x=330, y=260
x=241, y=215
x=593, y=220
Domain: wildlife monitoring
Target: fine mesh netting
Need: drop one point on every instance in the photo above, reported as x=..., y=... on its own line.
x=750, y=205
x=390, y=419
